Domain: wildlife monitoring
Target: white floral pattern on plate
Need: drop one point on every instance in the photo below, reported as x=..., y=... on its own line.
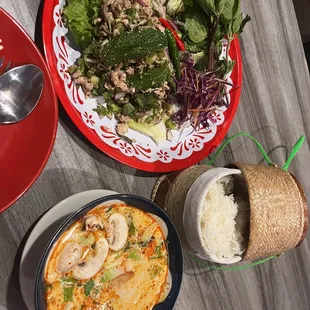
x=183, y=144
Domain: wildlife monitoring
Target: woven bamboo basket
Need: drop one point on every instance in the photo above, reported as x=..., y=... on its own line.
x=278, y=208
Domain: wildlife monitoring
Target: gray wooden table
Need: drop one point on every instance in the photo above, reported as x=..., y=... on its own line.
x=275, y=108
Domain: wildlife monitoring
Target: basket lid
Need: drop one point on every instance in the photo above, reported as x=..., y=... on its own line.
x=278, y=210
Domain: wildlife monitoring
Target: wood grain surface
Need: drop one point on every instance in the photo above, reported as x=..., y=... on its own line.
x=274, y=107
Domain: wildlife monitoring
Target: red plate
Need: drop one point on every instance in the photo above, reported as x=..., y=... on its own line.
x=25, y=146
x=51, y=20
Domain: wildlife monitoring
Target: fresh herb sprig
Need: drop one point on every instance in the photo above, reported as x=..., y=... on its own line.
x=205, y=24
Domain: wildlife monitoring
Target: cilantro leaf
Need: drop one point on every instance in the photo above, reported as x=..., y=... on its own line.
x=88, y=287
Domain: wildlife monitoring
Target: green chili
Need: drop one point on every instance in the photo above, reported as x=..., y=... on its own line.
x=174, y=53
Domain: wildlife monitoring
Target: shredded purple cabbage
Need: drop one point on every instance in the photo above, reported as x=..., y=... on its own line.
x=200, y=94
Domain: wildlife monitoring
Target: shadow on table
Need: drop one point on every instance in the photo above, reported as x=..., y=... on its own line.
x=38, y=39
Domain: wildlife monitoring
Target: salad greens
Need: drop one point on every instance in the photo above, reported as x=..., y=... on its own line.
x=79, y=15
x=153, y=79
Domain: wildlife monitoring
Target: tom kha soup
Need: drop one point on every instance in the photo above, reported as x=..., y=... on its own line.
x=115, y=257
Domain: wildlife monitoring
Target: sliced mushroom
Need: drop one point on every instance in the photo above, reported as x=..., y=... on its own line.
x=69, y=257
x=90, y=267
x=117, y=231
x=93, y=222
x=122, y=279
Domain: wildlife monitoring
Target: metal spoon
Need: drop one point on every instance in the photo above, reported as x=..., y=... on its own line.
x=20, y=92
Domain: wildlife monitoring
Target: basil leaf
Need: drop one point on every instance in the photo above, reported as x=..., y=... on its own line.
x=68, y=293
x=88, y=287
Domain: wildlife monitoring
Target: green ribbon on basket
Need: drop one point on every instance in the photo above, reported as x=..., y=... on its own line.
x=285, y=167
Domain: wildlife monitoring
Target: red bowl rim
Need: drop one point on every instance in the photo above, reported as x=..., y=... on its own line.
x=49, y=77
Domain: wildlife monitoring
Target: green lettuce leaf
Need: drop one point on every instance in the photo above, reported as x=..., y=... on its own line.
x=94, y=9
x=79, y=17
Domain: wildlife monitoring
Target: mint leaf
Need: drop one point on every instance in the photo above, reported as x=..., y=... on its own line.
x=229, y=11
x=197, y=32
x=232, y=18
x=221, y=4
x=88, y=287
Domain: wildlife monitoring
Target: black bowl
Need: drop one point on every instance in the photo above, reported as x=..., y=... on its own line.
x=174, y=247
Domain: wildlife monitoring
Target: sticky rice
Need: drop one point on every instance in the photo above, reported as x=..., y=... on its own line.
x=225, y=220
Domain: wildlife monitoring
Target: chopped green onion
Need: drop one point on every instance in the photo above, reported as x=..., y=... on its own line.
x=107, y=276
x=134, y=255
x=68, y=293
x=68, y=280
